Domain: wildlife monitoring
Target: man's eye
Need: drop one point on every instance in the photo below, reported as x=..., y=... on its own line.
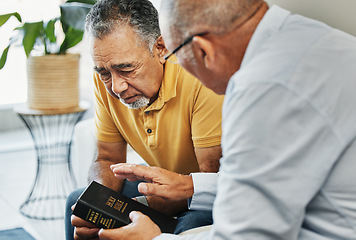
x=105, y=77
x=126, y=72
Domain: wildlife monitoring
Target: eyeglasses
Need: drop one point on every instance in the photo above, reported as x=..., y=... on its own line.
x=185, y=42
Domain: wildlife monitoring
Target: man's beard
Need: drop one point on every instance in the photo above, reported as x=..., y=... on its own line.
x=139, y=103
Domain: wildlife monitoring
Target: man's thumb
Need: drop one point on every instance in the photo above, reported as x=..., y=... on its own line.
x=107, y=234
x=134, y=215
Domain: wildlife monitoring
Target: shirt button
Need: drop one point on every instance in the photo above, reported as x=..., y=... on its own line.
x=149, y=130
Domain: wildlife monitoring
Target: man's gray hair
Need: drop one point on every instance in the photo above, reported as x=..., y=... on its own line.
x=141, y=15
x=213, y=15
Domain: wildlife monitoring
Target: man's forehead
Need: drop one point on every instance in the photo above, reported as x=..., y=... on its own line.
x=118, y=33
x=119, y=41
x=115, y=56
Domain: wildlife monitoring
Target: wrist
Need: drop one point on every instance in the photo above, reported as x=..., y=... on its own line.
x=189, y=186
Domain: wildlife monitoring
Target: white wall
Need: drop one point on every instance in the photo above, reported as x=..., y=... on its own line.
x=156, y=3
x=340, y=14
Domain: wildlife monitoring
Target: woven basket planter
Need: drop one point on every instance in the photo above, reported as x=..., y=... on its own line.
x=53, y=82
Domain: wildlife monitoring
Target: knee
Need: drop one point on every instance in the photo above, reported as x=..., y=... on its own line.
x=73, y=197
x=199, y=218
x=193, y=219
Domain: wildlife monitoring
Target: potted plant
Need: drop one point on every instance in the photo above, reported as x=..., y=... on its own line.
x=52, y=72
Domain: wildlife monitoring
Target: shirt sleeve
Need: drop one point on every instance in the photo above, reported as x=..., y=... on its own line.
x=206, y=119
x=205, y=186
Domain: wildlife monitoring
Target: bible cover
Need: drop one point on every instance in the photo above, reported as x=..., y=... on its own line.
x=109, y=209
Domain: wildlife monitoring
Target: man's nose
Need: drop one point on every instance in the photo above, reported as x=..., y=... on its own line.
x=118, y=85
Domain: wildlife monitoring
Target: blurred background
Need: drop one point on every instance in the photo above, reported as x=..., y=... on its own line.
x=17, y=153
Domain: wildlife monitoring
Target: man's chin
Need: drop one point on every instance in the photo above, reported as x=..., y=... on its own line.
x=139, y=103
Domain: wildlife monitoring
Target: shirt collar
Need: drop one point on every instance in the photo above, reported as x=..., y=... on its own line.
x=271, y=22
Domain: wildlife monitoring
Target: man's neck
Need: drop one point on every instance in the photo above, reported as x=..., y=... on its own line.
x=236, y=42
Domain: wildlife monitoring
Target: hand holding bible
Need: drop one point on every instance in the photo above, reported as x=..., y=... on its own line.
x=141, y=228
x=83, y=229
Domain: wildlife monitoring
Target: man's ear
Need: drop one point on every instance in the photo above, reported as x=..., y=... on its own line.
x=161, y=49
x=204, y=50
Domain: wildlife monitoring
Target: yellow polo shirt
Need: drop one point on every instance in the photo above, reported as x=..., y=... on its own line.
x=185, y=115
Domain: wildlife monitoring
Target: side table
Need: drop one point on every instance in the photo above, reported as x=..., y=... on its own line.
x=52, y=132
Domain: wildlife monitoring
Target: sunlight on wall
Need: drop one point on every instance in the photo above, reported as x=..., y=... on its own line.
x=338, y=14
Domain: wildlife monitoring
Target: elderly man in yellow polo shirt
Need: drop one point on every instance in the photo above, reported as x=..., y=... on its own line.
x=165, y=114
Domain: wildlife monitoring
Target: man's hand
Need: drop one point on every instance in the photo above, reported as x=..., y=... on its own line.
x=171, y=208
x=83, y=229
x=141, y=228
x=161, y=183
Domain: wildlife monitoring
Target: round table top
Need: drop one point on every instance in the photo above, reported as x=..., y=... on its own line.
x=24, y=109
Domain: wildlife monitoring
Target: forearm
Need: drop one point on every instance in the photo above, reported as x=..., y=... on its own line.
x=208, y=158
x=100, y=171
x=108, y=154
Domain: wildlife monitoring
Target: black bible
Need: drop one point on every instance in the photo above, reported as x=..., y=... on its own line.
x=109, y=209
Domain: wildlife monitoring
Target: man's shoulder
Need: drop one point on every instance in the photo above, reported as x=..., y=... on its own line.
x=186, y=80
x=187, y=86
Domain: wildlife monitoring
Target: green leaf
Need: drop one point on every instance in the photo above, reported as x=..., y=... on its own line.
x=4, y=57
x=4, y=54
x=73, y=14
x=50, y=31
x=5, y=17
x=32, y=31
x=72, y=38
